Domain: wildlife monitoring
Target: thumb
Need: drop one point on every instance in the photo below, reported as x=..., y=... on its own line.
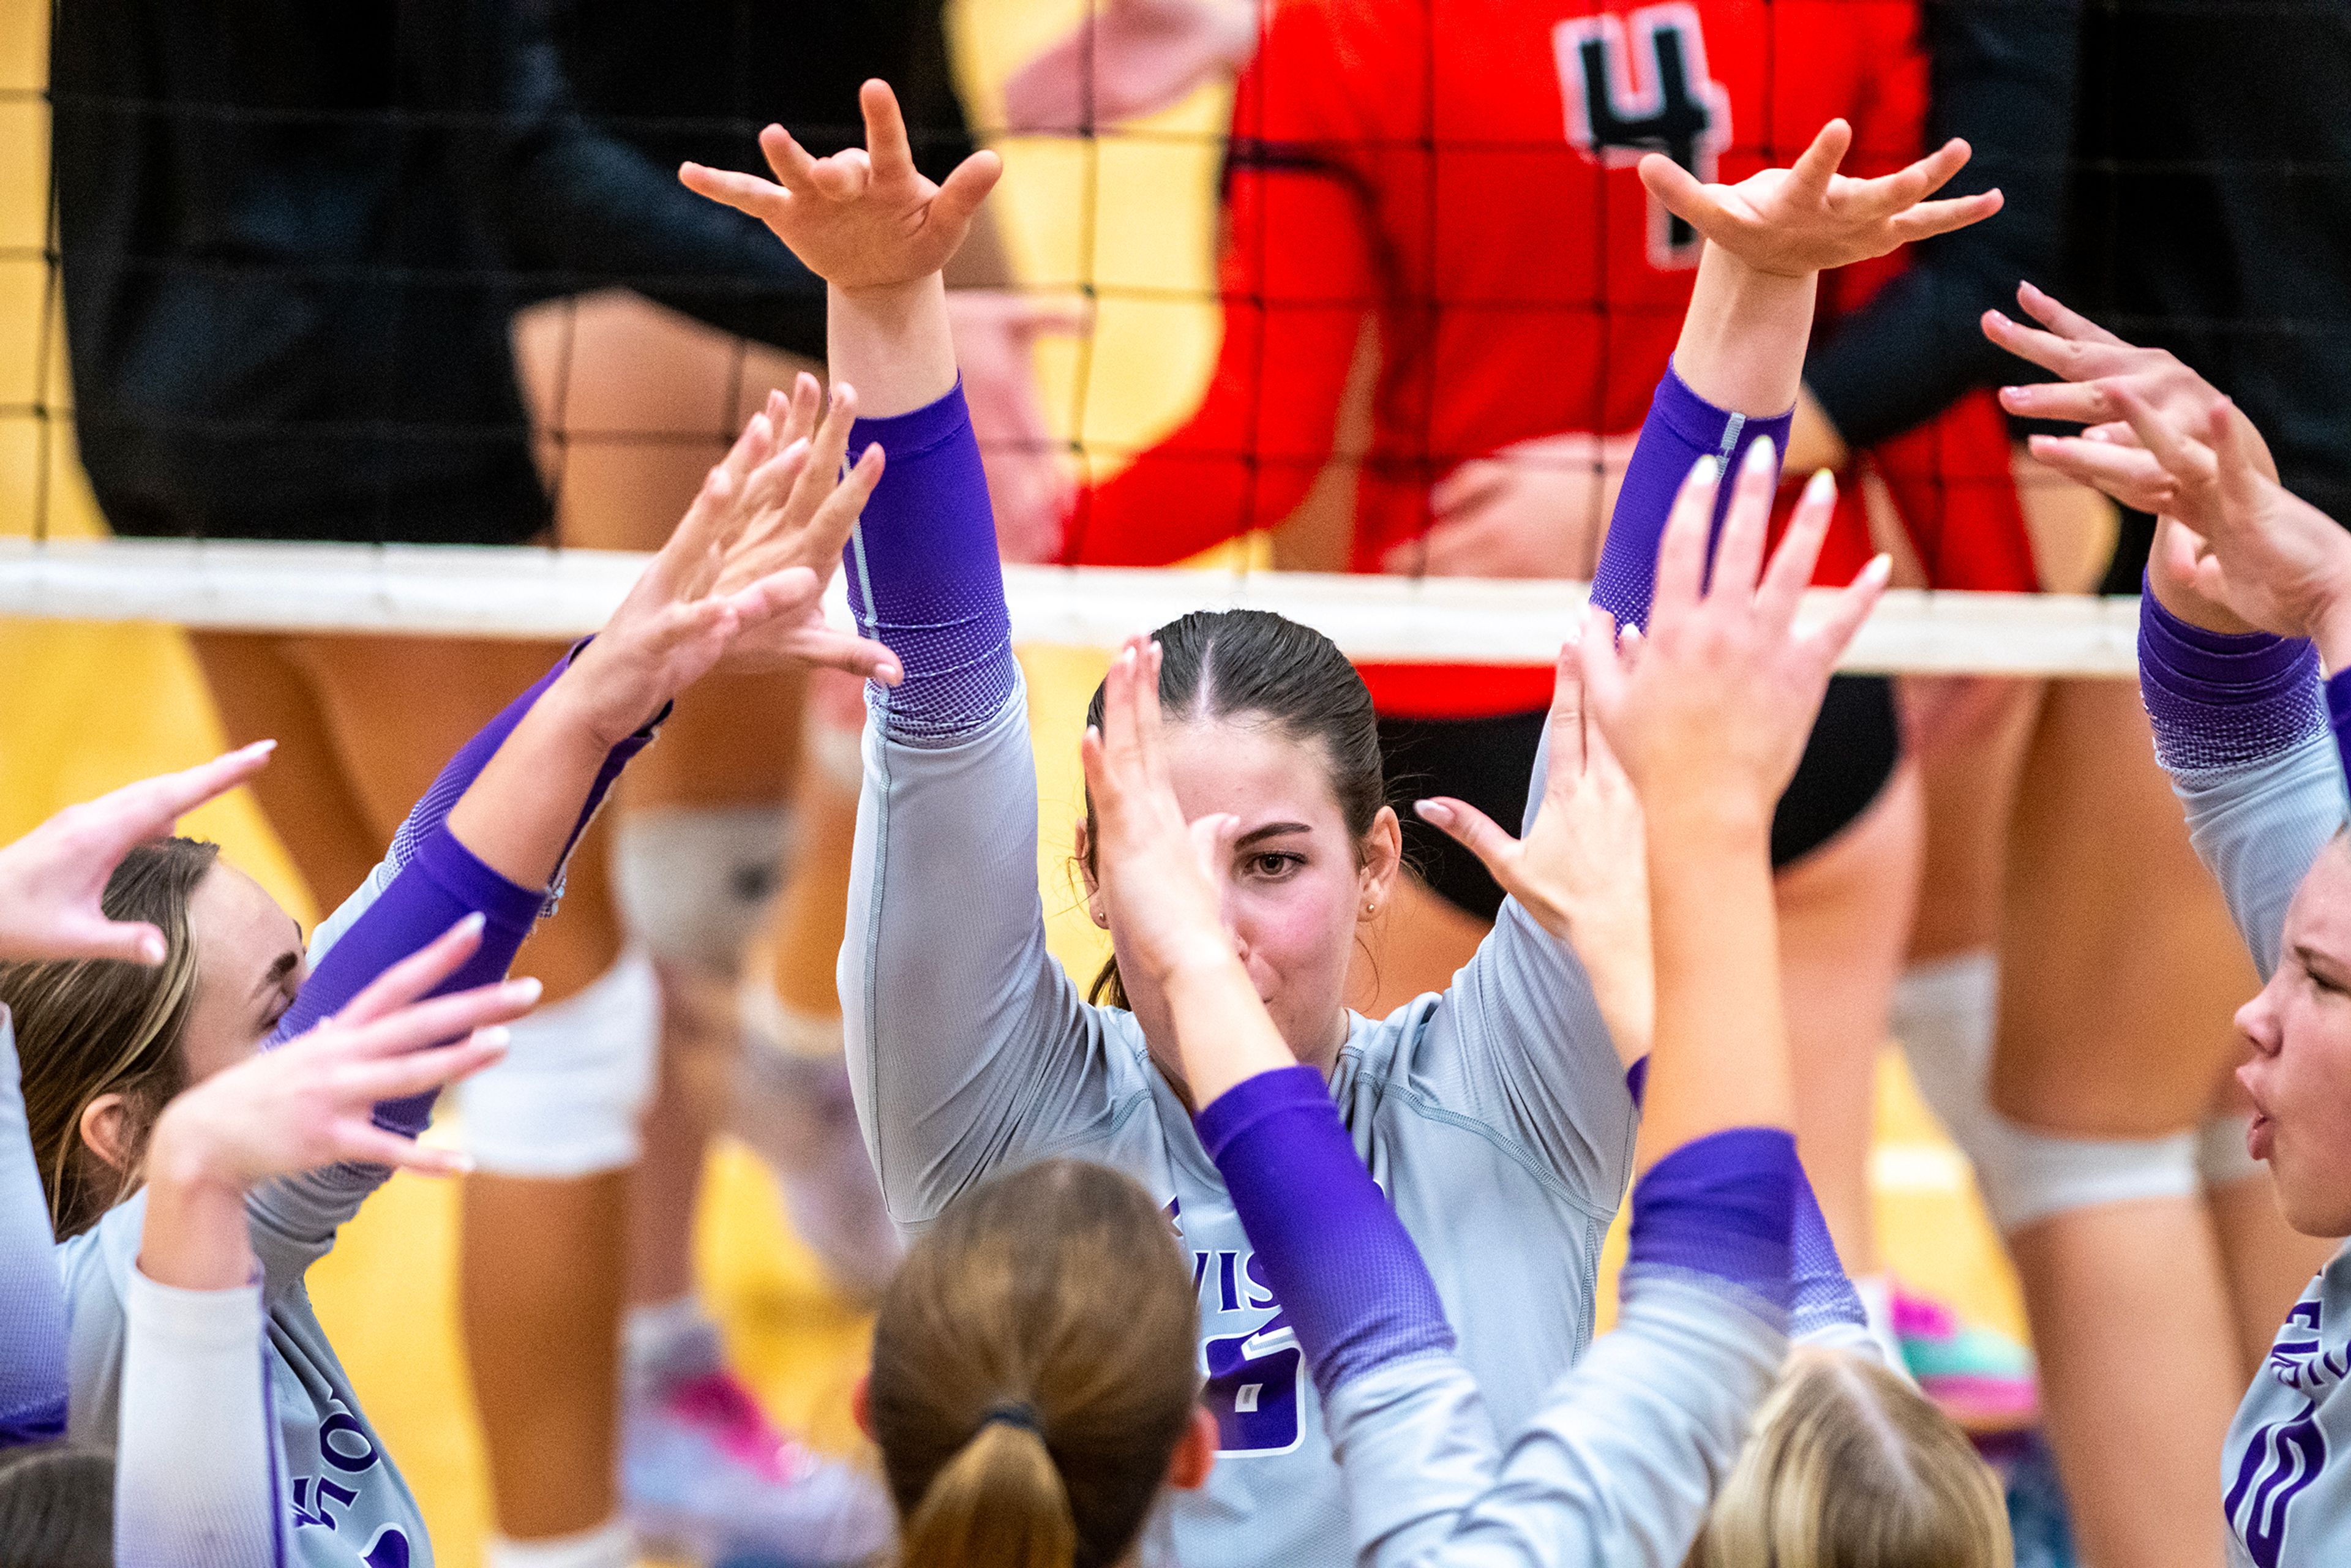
x=966, y=188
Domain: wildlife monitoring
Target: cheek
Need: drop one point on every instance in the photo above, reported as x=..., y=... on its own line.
x=1300, y=925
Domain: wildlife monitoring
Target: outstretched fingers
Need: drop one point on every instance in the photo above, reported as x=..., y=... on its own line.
x=763, y=199
x=1847, y=610
x=1740, y=556
x=396, y=1077
x=1929, y=219
x=1791, y=571
x=1809, y=177
x=2188, y=461
x=886, y=142
x=438, y=1019
x=150, y=808
x=1681, y=553
x=794, y=167
x=1478, y=834
x=1566, y=716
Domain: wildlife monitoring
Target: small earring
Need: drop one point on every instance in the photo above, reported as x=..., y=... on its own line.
x=1371, y=906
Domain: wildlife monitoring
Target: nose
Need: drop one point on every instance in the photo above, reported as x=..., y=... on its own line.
x=2257, y=1020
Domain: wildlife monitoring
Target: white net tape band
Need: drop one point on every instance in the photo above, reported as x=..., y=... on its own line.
x=457, y=590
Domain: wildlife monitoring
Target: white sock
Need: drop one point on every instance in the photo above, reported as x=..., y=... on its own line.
x=1876, y=1293
x=670, y=1340
x=609, y=1545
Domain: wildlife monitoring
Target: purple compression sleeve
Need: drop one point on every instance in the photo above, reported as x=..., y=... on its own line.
x=923, y=578
x=437, y=883
x=2339, y=715
x=1723, y=1205
x=1350, y=1281
x=2218, y=698
x=31, y=1298
x=1682, y=427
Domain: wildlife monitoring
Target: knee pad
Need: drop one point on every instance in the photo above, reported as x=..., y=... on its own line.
x=694, y=883
x=566, y=1100
x=1945, y=1014
x=2220, y=1156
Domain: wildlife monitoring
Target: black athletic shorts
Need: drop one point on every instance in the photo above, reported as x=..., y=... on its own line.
x=1489, y=761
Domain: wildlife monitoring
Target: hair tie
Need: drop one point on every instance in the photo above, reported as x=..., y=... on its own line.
x=1013, y=1413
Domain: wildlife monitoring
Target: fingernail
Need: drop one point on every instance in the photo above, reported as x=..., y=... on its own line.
x=260, y=749
x=1880, y=567
x=1820, y=487
x=1761, y=455
x=472, y=925
x=1430, y=811
x=497, y=1036
x=524, y=990
x=1706, y=470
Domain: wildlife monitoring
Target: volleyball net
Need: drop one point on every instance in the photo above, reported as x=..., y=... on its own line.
x=1120, y=220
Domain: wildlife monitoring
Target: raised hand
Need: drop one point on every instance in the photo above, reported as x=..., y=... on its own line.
x=1809, y=218
x=1710, y=709
x=744, y=572
x=864, y=218
x=1158, y=877
x=2101, y=373
x=310, y=1102
x=1146, y=55
x=52, y=879
x=2269, y=557
x=1580, y=871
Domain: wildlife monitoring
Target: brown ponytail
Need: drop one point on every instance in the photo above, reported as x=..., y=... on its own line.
x=1034, y=1367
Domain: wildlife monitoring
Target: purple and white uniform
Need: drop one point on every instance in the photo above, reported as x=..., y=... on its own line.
x=2243, y=728
x=32, y=1307
x=1495, y=1113
x=155, y=1371
x=1624, y=1453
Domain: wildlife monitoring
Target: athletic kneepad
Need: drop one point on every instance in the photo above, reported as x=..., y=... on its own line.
x=694, y=883
x=566, y=1100
x=1945, y=1014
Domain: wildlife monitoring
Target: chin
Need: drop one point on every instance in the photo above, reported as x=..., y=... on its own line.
x=2313, y=1209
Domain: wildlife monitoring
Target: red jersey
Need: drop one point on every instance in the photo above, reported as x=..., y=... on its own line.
x=1464, y=169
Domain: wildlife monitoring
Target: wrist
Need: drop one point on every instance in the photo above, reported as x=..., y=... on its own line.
x=2331, y=632
x=572, y=713
x=1714, y=818
x=183, y=1161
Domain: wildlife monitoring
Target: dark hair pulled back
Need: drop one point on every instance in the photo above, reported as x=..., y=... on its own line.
x=1253, y=664
x=1034, y=1367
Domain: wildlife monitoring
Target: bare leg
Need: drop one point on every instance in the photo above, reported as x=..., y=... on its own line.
x=2120, y=973
x=1844, y=915
x=2139, y=1452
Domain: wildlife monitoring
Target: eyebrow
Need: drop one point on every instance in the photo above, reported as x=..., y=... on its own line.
x=1270, y=830
x=286, y=965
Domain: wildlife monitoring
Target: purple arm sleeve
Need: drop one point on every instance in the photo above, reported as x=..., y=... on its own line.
x=2339, y=715
x=924, y=578
x=32, y=1299
x=1682, y=427
x=437, y=883
x=1722, y=1205
x=2217, y=699
x=1350, y=1281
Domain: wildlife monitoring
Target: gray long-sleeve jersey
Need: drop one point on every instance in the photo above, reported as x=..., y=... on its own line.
x=1494, y=1114
x=2238, y=728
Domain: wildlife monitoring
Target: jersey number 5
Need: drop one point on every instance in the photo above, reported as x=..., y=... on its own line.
x=1638, y=84
x=1253, y=1387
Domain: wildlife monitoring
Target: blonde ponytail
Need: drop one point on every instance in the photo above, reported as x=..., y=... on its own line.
x=1000, y=1503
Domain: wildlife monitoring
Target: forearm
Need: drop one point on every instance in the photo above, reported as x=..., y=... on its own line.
x=893, y=344
x=1721, y=1057
x=197, y=1471
x=1351, y=1283
x=1743, y=338
x=193, y=1237
x=1222, y=1032
x=922, y=568
x=520, y=816
x=1682, y=427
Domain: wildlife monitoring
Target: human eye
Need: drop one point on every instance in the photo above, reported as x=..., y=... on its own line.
x=1272, y=865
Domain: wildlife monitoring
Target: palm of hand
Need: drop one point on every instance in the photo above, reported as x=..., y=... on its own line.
x=1797, y=229
x=867, y=226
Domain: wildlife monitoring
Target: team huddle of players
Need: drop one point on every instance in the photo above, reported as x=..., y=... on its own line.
x=1204, y=1264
